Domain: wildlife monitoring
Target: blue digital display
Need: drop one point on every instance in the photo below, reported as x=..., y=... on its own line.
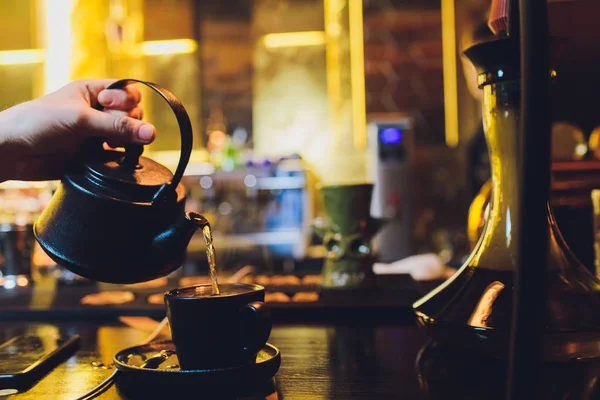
x=390, y=135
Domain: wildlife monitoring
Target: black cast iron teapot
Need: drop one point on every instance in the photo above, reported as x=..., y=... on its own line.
x=119, y=217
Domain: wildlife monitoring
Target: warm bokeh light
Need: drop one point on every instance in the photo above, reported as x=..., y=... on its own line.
x=29, y=56
x=58, y=35
x=166, y=47
x=216, y=140
x=294, y=39
x=357, y=73
x=450, y=73
x=22, y=281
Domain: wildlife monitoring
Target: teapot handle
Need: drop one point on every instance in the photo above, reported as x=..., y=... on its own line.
x=132, y=152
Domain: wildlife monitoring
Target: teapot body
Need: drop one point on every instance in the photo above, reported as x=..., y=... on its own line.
x=103, y=238
x=119, y=217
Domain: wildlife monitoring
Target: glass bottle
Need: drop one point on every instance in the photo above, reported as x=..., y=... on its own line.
x=473, y=309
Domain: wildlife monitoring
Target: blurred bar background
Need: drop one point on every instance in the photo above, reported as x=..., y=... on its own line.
x=281, y=94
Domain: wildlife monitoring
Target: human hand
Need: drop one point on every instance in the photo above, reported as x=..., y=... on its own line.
x=39, y=137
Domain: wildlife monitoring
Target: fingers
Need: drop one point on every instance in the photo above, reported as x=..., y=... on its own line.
x=120, y=99
x=117, y=128
x=137, y=112
x=95, y=93
x=91, y=88
x=95, y=86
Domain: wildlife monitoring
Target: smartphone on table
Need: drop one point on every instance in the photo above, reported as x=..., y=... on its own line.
x=25, y=359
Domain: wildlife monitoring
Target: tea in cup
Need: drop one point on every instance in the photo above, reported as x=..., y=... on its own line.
x=216, y=331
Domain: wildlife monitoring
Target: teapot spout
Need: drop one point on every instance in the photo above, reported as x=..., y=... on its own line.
x=180, y=233
x=193, y=221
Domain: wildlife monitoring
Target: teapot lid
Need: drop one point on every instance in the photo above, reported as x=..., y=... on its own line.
x=127, y=175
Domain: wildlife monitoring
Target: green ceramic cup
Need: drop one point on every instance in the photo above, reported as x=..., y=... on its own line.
x=347, y=235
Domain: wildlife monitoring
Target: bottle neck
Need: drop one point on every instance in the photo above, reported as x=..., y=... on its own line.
x=497, y=246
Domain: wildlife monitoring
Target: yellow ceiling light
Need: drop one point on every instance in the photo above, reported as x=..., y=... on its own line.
x=165, y=47
x=357, y=74
x=58, y=37
x=294, y=39
x=29, y=56
x=450, y=73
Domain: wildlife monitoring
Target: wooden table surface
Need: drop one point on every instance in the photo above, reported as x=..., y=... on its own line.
x=318, y=361
x=362, y=360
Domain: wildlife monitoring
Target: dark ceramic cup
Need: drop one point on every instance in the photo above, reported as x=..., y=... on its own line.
x=218, y=331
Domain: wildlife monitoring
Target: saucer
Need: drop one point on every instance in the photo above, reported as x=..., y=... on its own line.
x=157, y=363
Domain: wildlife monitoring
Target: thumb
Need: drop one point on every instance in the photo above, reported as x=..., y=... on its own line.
x=118, y=129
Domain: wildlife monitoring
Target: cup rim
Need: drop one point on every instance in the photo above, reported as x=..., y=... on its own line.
x=253, y=288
